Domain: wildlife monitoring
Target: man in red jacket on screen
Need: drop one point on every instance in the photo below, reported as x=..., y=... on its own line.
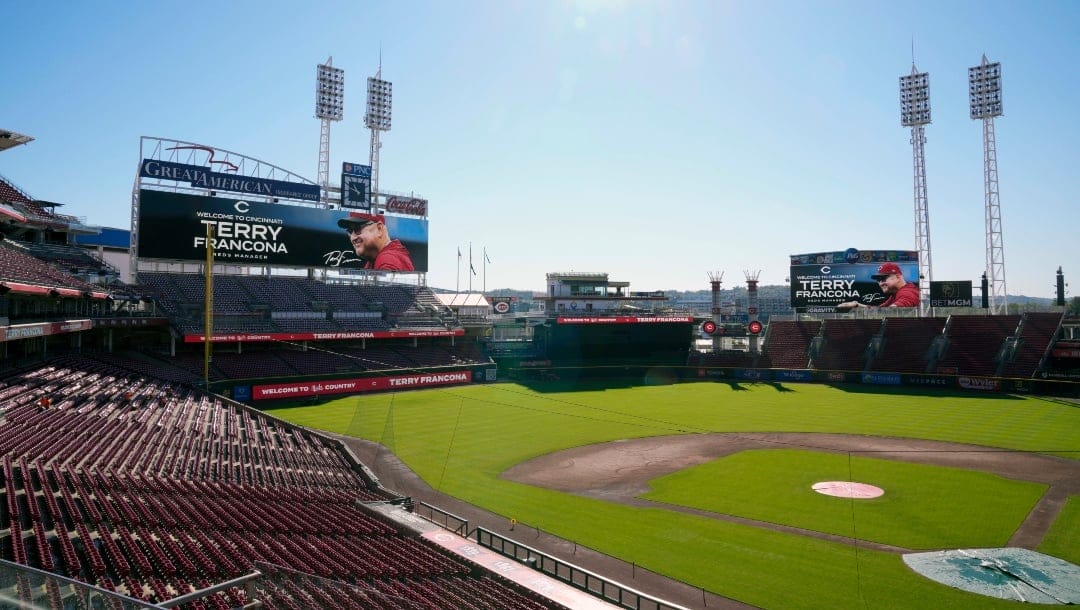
x=371, y=240
x=898, y=292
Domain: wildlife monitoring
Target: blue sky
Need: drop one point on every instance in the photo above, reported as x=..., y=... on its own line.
x=656, y=141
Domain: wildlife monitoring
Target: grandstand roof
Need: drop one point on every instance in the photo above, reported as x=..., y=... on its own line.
x=11, y=139
x=463, y=299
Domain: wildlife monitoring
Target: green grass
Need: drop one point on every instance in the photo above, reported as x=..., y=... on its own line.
x=1063, y=539
x=924, y=507
x=459, y=440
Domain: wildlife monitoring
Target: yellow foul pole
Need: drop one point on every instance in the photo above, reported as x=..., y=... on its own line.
x=209, y=304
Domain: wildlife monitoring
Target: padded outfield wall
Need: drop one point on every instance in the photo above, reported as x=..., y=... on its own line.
x=657, y=373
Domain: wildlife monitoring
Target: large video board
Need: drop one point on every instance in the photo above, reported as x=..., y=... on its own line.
x=821, y=281
x=173, y=226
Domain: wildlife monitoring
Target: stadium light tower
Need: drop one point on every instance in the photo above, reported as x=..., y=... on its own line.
x=915, y=113
x=984, y=88
x=377, y=119
x=329, y=106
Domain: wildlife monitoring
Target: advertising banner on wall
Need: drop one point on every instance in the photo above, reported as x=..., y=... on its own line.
x=29, y=331
x=821, y=281
x=950, y=294
x=173, y=226
x=414, y=206
x=344, y=335
x=366, y=384
x=202, y=177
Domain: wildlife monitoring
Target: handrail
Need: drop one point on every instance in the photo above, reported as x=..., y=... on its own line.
x=128, y=602
x=573, y=575
x=201, y=593
x=462, y=528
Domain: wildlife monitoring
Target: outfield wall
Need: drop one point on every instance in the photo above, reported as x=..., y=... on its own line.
x=658, y=374
x=945, y=382
x=275, y=391
x=660, y=342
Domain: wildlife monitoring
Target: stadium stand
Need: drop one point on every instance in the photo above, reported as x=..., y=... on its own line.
x=252, y=364
x=318, y=361
x=11, y=193
x=844, y=344
x=279, y=294
x=154, y=489
x=262, y=305
x=74, y=259
x=1033, y=341
x=975, y=344
x=906, y=344
x=19, y=266
x=787, y=344
x=307, y=325
x=149, y=366
x=366, y=323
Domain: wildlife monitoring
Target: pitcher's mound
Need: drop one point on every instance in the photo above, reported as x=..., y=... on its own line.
x=847, y=489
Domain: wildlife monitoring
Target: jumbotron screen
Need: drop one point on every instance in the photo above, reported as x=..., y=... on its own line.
x=173, y=226
x=822, y=280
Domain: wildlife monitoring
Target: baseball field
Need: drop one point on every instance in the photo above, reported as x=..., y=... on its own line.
x=710, y=483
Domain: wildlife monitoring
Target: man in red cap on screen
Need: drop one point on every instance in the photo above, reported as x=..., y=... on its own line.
x=891, y=281
x=371, y=240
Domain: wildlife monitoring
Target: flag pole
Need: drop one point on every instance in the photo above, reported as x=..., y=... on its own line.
x=472, y=270
x=457, y=277
x=484, y=278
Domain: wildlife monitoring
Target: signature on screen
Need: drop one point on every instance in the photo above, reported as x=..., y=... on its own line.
x=337, y=258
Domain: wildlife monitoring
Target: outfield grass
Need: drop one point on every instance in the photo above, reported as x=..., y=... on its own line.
x=924, y=507
x=460, y=439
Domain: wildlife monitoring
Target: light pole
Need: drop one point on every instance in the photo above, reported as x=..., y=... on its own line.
x=377, y=119
x=915, y=113
x=329, y=106
x=984, y=88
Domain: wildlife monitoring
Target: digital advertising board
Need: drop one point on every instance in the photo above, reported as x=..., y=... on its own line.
x=821, y=281
x=173, y=226
x=351, y=386
x=950, y=294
